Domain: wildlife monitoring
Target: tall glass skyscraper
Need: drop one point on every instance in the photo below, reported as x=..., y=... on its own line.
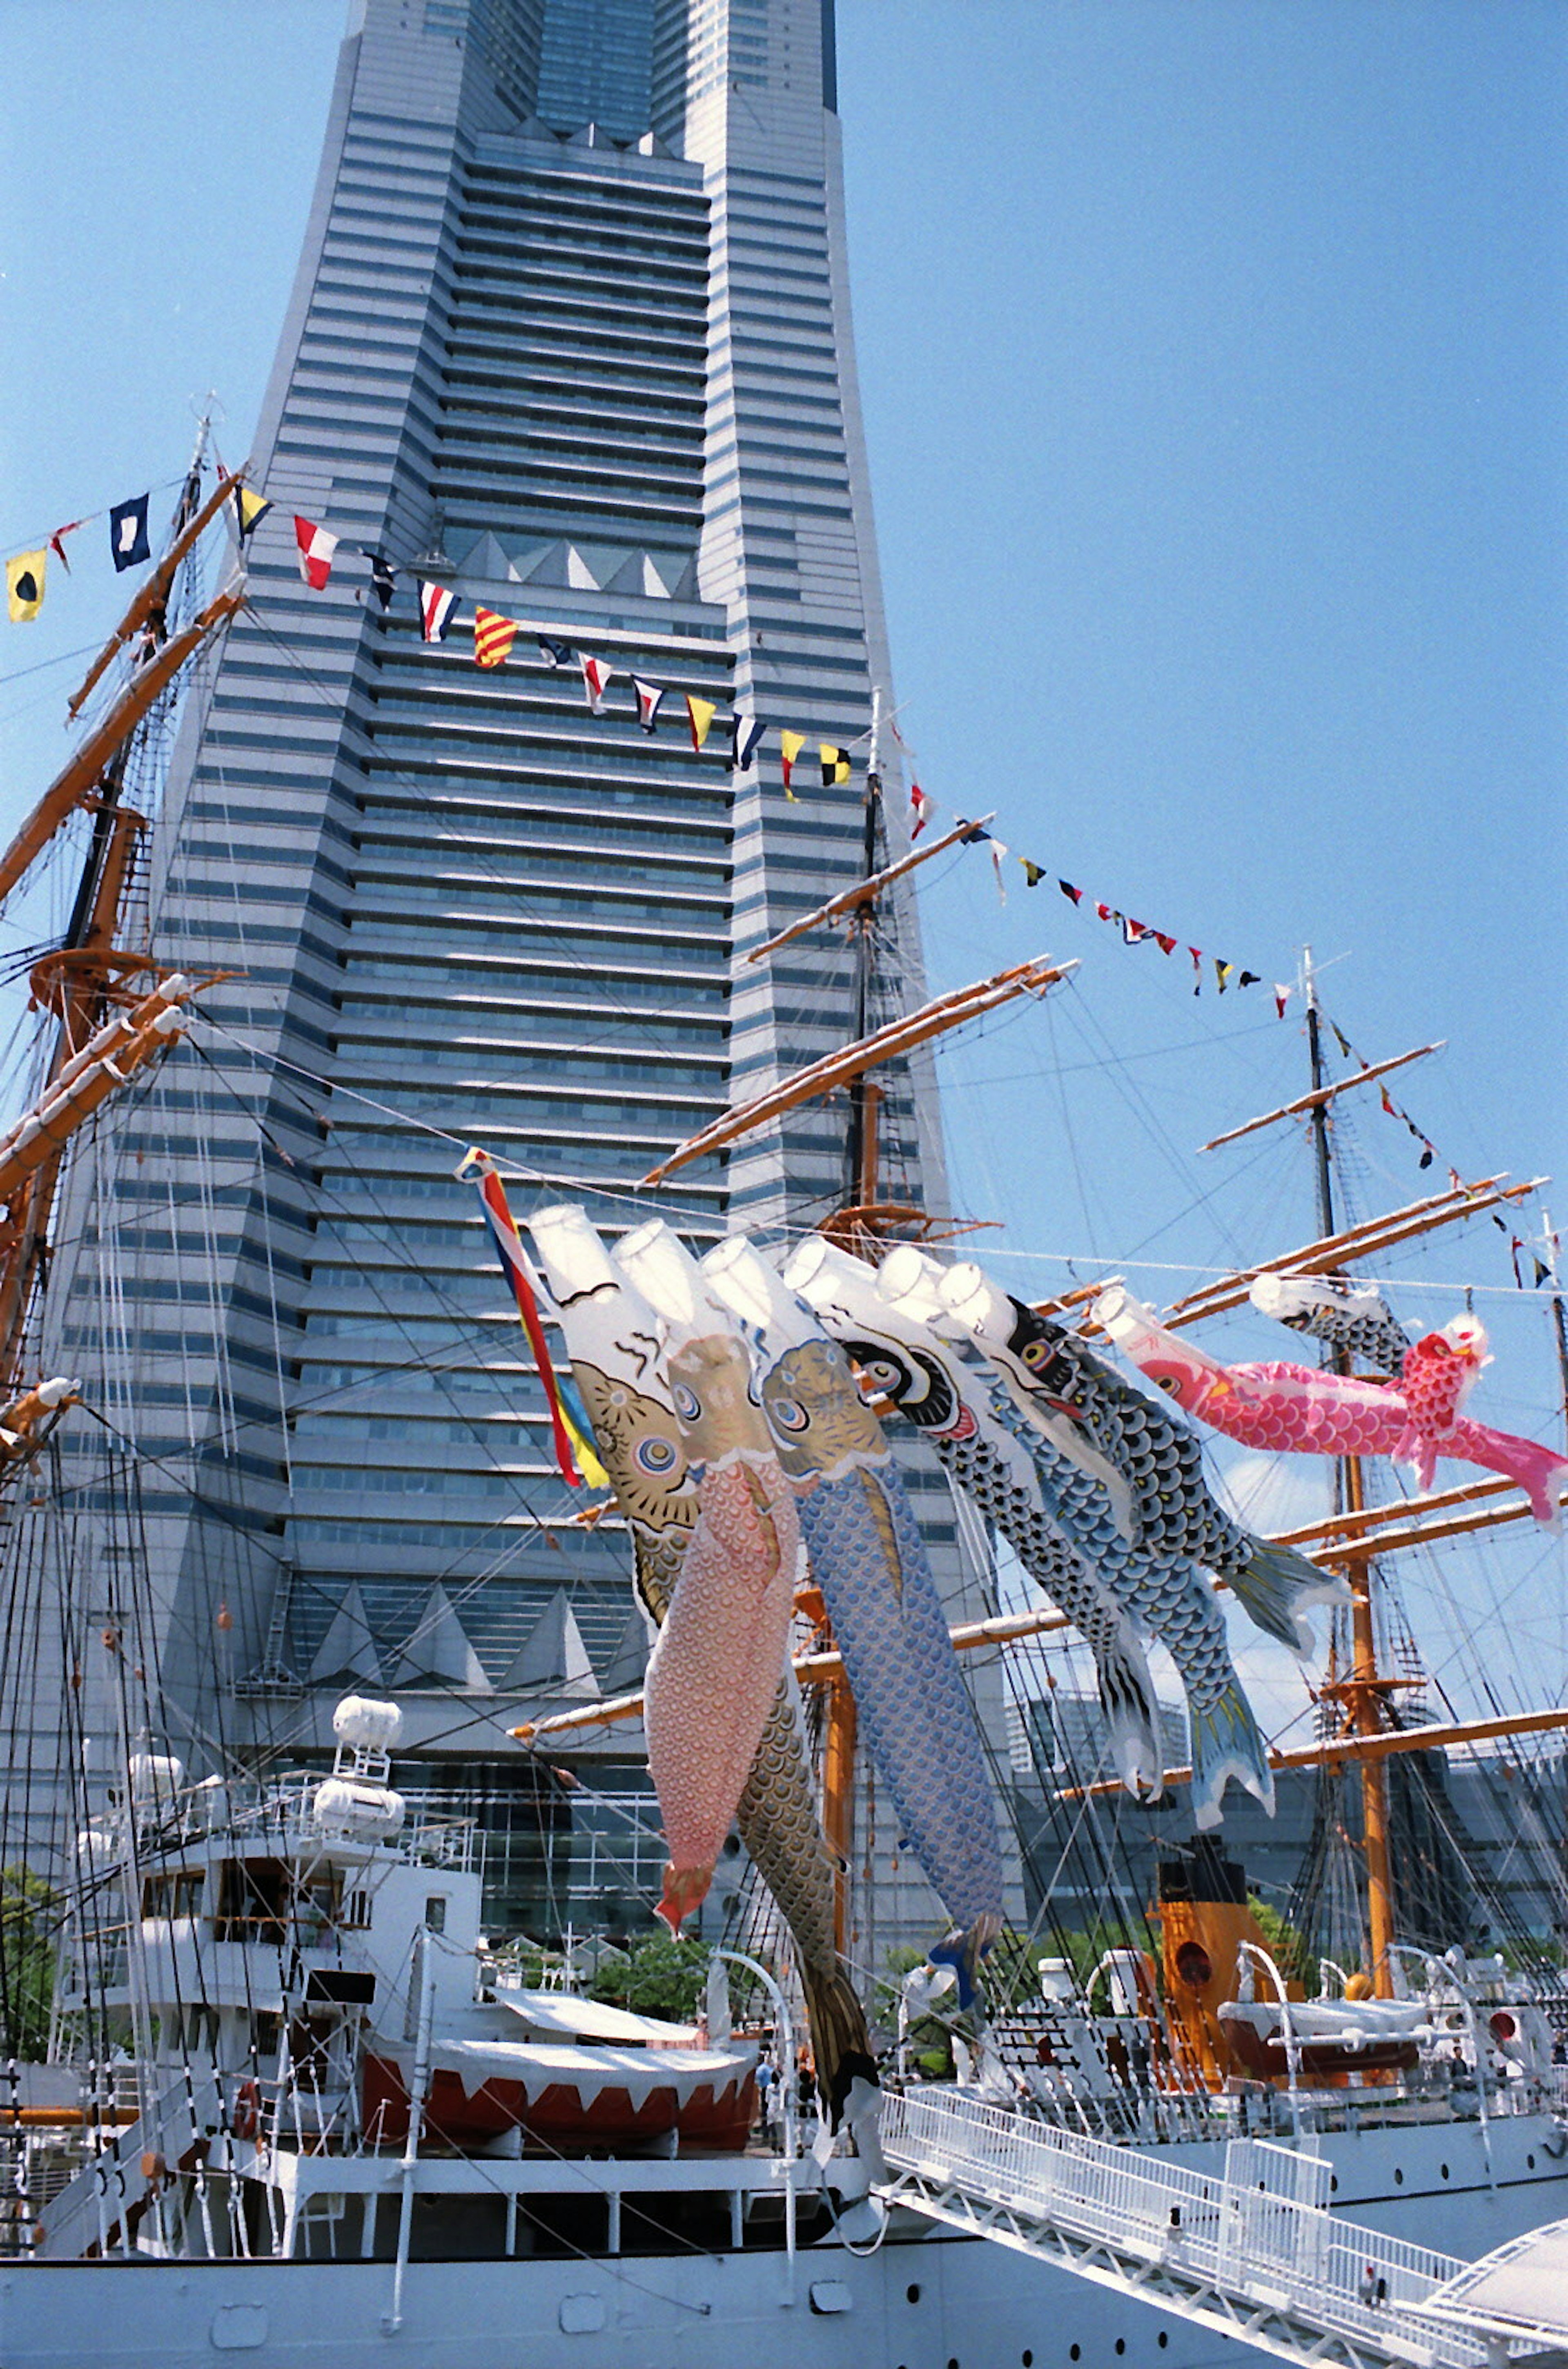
x=571, y=335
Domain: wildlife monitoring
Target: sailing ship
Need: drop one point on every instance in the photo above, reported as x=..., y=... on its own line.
x=285, y=2082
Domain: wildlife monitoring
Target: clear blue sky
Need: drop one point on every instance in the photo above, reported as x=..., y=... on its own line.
x=1213, y=362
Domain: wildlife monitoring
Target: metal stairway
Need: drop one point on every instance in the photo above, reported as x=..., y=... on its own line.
x=1255, y=2254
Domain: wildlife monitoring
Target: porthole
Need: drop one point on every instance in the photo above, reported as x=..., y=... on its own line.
x=1074, y=2351
x=952, y=2364
x=1444, y=2170
x=1399, y=2176
x=1529, y=2163
x=912, y=2295
x=1027, y=2359
x=1334, y=2183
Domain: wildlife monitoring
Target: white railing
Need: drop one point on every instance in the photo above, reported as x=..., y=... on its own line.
x=1259, y=2239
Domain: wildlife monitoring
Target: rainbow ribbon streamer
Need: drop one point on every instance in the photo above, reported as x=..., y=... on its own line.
x=574, y=1442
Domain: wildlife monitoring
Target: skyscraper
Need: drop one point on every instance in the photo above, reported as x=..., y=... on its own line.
x=570, y=337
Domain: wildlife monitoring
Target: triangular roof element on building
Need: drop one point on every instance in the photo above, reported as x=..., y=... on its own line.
x=349, y=1648
x=625, y=1673
x=439, y=1648
x=554, y=1660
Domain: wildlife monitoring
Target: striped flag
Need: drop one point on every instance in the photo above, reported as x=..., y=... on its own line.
x=744, y=731
x=493, y=636
x=478, y=1168
x=596, y=680
x=316, y=547
x=436, y=605
x=790, y=746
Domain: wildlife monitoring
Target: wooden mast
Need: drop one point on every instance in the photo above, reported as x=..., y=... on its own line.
x=860, y=1156
x=80, y=980
x=1362, y=1693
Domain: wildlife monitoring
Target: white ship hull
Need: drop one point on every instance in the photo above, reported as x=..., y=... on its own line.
x=922, y=2301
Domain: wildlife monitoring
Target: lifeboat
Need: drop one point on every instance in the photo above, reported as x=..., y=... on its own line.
x=1330, y=2035
x=566, y=2075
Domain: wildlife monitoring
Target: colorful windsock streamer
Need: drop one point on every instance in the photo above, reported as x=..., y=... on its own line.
x=478, y=1168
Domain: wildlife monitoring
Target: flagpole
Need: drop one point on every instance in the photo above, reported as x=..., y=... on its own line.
x=861, y=1148
x=1560, y=1320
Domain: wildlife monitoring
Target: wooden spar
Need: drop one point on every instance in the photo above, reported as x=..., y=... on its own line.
x=838, y=1798
x=72, y=787
x=1381, y=1746
x=155, y=590
x=30, y=1152
x=1324, y=1095
x=864, y=892
x=1013, y=1627
x=1365, y=1240
x=120, y=1048
x=849, y=1062
x=1345, y=1529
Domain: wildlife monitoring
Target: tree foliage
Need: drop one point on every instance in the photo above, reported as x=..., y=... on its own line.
x=29, y=1910
x=1289, y=1948
x=659, y=1976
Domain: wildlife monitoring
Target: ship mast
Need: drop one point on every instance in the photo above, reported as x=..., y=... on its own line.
x=88, y=973
x=1362, y=1692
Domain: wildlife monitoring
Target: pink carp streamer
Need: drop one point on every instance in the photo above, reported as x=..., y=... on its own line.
x=1277, y=1406
x=714, y=1671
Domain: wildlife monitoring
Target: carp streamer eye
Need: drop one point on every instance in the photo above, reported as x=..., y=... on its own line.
x=656, y=1456
x=688, y=1406
x=1037, y=1354
x=883, y=1373
x=789, y=1415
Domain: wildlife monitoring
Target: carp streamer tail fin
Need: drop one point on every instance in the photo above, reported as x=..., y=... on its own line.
x=963, y=1951
x=840, y=2044
x=1132, y=1715
x=1277, y=1585
x=1225, y=1742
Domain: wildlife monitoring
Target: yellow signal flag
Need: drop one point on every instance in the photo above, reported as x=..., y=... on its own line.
x=250, y=509
x=493, y=636
x=702, y=713
x=24, y=585
x=790, y=746
x=835, y=763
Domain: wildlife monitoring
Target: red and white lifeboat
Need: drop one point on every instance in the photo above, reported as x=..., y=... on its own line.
x=567, y=2074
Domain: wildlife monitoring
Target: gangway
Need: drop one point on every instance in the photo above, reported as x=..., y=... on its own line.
x=1253, y=2253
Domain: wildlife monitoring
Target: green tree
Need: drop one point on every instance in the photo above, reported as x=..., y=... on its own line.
x=659, y=1976
x=29, y=1910
x=1289, y=1950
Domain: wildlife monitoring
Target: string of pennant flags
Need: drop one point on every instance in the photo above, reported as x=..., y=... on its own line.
x=1545, y=1269
x=130, y=545
x=1225, y=974
x=495, y=635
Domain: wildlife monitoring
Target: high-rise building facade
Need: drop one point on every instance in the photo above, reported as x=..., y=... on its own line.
x=571, y=335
